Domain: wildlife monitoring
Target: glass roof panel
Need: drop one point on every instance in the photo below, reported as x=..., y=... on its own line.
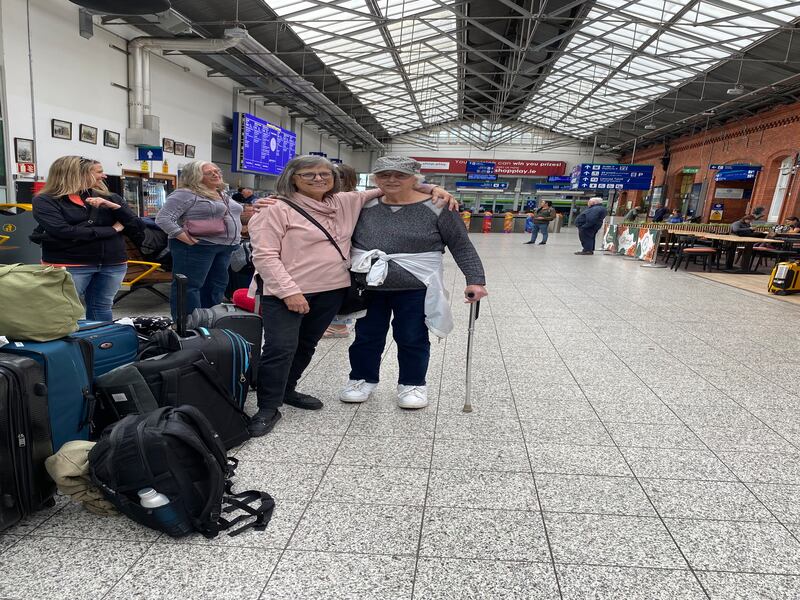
x=401, y=59
x=691, y=37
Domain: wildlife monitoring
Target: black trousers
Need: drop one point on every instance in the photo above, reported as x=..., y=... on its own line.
x=587, y=236
x=290, y=340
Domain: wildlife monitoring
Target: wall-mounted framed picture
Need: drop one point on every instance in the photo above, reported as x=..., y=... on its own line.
x=189, y=151
x=180, y=148
x=168, y=145
x=61, y=129
x=87, y=134
x=23, y=150
x=110, y=139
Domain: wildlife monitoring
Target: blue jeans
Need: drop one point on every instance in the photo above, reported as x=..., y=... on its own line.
x=97, y=285
x=539, y=227
x=408, y=329
x=206, y=268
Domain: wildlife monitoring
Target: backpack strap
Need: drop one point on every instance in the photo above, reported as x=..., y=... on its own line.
x=210, y=513
x=242, y=501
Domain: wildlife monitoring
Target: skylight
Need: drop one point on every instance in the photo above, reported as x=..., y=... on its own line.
x=628, y=53
x=397, y=57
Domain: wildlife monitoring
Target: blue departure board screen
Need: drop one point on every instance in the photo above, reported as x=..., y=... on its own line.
x=260, y=146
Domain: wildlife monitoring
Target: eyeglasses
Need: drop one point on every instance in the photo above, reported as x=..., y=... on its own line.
x=392, y=174
x=313, y=176
x=212, y=172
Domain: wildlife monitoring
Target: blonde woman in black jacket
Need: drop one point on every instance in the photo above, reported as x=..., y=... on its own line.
x=80, y=229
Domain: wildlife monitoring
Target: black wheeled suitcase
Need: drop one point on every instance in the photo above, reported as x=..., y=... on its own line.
x=228, y=352
x=25, y=440
x=227, y=316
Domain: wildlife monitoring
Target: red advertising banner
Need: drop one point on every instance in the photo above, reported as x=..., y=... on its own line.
x=530, y=168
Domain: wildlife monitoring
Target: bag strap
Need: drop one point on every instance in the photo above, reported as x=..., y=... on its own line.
x=316, y=223
x=242, y=501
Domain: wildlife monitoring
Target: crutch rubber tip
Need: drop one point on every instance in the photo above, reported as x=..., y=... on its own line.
x=467, y=409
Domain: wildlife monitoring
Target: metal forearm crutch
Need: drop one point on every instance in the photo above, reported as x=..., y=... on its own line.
x=474, y=311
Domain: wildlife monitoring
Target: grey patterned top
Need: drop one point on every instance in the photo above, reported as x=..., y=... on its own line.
x=419, y=227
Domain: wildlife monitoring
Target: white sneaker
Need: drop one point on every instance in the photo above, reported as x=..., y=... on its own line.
x=412, y=396
x=356, y=390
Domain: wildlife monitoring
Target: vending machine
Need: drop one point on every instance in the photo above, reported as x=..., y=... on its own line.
x=145, y=196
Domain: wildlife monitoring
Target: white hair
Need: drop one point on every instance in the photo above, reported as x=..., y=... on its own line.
x=595, y=200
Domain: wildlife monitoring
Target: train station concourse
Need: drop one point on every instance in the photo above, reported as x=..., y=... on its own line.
x=399, y=299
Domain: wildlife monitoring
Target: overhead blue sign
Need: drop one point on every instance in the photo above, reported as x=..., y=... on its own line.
x=734, y=167
x=612, y=177
x=554, y=186
x=475, y=166
x=481, y=185
x=736, y=175
x=559, y=179
x=149, y=153
x=482, y=176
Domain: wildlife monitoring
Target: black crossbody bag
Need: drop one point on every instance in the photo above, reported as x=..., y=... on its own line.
x=356, y=300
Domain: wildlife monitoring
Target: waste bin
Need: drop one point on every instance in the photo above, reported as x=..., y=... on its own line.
x=555, y=224
x=16, y=224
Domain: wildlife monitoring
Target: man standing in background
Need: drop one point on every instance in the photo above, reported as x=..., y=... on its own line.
x=541, y=221
x=589, y=223
x=244, y=196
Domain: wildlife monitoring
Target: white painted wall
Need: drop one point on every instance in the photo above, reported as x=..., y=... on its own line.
x=72, y=79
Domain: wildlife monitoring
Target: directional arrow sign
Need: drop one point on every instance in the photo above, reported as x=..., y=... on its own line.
x=149, y=153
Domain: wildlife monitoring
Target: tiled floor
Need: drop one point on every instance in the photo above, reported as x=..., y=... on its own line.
x=635, y=435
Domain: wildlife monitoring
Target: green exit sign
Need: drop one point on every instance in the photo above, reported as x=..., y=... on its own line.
x=690, y=170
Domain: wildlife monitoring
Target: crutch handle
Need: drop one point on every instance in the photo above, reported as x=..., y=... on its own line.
x=477, y=305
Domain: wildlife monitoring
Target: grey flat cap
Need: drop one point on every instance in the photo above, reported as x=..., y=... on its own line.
x=401, y=164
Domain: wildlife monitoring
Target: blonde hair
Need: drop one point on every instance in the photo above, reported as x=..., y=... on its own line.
x=192, y=179
x=96, y=187
x=64, y=177
x=348, y=176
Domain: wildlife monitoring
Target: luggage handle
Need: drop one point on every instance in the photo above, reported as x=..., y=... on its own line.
x=182, y=284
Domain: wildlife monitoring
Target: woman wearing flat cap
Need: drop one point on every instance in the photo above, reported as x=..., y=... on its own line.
x=398, y=247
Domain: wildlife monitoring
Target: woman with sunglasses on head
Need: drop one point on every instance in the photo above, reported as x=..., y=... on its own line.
x=399, y=243
x=80, y=228
x=304, y=277
x=204, y=227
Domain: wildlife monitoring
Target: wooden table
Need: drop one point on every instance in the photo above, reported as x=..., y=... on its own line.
x=730, y=253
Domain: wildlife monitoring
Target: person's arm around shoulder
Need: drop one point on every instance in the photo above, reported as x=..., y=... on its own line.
x=267, y=230
x=456, y=238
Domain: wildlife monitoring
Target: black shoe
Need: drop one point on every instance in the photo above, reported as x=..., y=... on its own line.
x=263, y=421
x=542, y=243
x=305, y=401
x=528, y=242
x=584, y=253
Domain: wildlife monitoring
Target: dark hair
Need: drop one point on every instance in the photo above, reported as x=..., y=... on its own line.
x=348, y=176
x=239, y=190
x=792, y=219
x=548, y=202
x=749, y=218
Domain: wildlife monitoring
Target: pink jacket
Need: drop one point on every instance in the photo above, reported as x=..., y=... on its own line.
x=293, y=256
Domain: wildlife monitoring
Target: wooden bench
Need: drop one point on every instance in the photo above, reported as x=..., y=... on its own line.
x=142, y=274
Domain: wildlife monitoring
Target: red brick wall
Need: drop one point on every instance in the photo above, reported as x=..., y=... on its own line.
x=765, y=139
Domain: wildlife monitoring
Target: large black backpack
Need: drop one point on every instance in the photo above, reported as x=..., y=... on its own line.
x=176, y=452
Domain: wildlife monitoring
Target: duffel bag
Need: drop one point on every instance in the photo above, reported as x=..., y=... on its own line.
x=182, y=378
x=39, y=303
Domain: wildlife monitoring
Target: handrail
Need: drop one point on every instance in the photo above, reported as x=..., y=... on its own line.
x=22, y=205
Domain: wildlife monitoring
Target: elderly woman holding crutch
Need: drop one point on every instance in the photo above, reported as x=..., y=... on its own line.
x=398, y=244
